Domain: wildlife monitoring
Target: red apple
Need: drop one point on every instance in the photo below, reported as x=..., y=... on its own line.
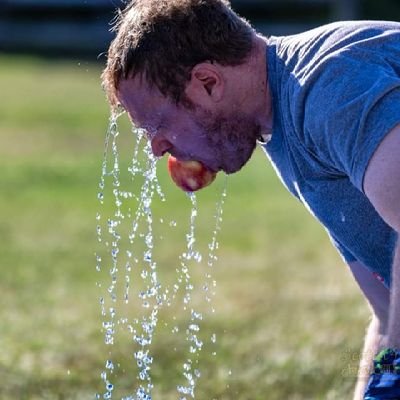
x=189, y=175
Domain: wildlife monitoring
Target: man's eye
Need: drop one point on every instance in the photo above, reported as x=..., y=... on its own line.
x=141, y=132
x=150, y=133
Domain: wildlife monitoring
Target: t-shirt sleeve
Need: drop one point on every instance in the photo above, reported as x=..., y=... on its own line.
x=350, y=107
x=344, y=252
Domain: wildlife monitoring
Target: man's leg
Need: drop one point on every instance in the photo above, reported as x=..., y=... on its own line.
x=378, y=297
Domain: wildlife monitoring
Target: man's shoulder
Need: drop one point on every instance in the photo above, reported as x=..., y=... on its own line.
x=350, y=30
x=348, y=55
x=316, y=45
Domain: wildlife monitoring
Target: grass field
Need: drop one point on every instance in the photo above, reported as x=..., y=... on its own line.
x=289, y=319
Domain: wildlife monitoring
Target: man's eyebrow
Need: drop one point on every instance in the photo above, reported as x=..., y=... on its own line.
x=157, y=120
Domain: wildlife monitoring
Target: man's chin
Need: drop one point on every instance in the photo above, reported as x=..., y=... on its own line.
x=238, y=164
x=231, y=169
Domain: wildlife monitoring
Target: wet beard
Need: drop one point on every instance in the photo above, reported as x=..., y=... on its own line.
x=233, y=138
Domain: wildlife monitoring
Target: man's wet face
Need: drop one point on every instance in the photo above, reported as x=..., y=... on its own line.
x=232, y=136
x=221, y=141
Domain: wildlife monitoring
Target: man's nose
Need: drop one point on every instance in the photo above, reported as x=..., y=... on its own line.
x=160, y=146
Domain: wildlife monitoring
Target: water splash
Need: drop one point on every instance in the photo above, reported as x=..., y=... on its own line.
x=190, y=372
x=143, y=331
x=127, y=263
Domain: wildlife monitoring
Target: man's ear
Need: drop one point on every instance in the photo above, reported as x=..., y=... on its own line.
x=206, y=84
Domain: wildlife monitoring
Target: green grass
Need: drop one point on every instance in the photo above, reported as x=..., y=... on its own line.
x=289, y=318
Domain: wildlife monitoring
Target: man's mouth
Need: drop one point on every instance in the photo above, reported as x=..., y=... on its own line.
x=181, y=157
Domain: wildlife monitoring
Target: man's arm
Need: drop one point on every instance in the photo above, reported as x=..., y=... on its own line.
x=378, y=297
x=382, y=187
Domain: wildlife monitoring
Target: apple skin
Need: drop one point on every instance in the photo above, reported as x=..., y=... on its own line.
x=190, y=175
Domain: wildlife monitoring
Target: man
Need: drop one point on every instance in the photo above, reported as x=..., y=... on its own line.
x=325, y=106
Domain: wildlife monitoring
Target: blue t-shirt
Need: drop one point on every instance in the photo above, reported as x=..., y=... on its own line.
x=336, y=94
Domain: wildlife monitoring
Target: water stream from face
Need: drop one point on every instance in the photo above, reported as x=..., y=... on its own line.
x=132, y=290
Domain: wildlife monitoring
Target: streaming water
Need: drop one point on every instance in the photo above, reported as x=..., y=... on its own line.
x=190, y=367
x=132, y=290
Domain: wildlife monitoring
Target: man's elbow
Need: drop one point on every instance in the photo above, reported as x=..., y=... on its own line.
x=382, y=179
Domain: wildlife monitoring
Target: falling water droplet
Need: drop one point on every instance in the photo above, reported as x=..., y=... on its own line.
x=133, y=213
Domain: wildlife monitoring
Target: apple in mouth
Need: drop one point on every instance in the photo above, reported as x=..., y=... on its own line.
x=190, y=175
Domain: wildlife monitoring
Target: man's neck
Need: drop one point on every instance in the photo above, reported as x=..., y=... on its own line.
x=247, y=87
x=259, y=89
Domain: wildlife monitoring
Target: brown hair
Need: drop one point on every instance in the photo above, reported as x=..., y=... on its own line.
x=164, y=39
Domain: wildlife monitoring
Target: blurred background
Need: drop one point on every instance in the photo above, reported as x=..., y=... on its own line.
x=70, y=27
x=289, y=319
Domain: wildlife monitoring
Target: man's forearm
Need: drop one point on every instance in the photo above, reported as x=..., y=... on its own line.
x=372, y=343
x=394, y=312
